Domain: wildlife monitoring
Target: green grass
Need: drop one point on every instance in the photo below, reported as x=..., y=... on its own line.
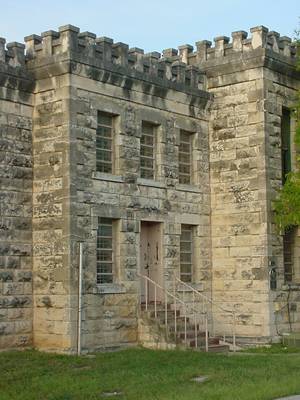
x=273, y=349
x=148, y=375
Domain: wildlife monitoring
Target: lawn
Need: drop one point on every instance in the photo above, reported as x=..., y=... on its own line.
x=148, y=375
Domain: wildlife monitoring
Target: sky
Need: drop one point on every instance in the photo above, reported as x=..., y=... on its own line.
x=152, y=25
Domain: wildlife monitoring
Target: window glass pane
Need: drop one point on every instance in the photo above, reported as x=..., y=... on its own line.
x=105, y=230
x=104, y=119
x=104, y=243
x=185, y=257
x=185, y=268
x=186, y=235
x=186, y=246
x=147, y=128
x=104, y=268
x=104, y=131
x=147, y=174
x=147, y=163
x=147, y=140
x=147, y=151
x=185, y=179
x=101, y=167
x=184, y=170
x=185, y=148
x=104, y=255
x=104, y=278
x=186, y=277
x=103, y=143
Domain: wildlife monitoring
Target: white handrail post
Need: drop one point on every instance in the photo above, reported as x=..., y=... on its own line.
x=175, y=313
x=213, y=323
x=202, y=314
x=195, y=322
x=155, y=310
x=206, y=332
x=174, y=284
x=146, y=293
x=185, y=336
x=234, y=339
x=79, y=298
x=166, y=312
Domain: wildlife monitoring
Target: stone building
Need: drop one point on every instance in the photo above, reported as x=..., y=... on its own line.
x=164, y=167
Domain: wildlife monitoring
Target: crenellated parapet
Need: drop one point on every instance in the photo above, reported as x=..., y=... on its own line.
x=261, y=38
x=13, y=54
x=182, y=66
x=95, y=50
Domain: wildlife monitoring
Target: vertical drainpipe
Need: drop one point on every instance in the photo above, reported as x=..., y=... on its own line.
x=79, y=299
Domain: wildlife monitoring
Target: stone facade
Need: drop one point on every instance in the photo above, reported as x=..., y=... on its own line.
x=16, y=107
x=229, y=99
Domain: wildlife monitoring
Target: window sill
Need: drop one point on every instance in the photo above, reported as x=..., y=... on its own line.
x=150, y=182
x=188, y=188
x=197, y=286
x=102, y=176
x=291, y=286
x=110, y=288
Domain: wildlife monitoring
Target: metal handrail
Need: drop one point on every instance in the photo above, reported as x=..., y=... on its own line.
x=176, y=300
x=213, y=303
x=209, y=300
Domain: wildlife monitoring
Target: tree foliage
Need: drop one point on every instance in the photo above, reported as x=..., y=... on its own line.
x=287, y=205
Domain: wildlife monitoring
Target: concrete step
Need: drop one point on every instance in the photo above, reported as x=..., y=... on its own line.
x=180, y=337
x=201, y=342
x=217, y=348
x=291, y=339
x=159, y=306
x=161, y=314
x=190, y=334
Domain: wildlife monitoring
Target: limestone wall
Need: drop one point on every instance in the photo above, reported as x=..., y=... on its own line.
x=238, y=187
x=281, y=88
x=16, y=102
x=55, y=304
x=77, y=76
x=245, y=169
x=52, y=195
x=111, y=311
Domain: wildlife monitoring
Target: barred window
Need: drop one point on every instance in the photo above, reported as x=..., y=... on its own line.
x=285, y=143
x=186, y=253
x=104, y=143
x=288, y=245
x=147, y=158
x=105, y=254
x=185, y=157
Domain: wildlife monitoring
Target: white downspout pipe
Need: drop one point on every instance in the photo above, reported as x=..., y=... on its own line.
x=79, y=299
